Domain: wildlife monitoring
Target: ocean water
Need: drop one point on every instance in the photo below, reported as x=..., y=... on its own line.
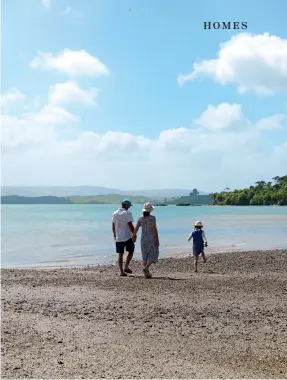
x=69, y=235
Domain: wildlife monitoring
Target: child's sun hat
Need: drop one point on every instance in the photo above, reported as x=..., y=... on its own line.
x=198, y=224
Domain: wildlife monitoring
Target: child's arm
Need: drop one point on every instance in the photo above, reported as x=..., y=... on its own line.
x=204, y=238
x=190, y=236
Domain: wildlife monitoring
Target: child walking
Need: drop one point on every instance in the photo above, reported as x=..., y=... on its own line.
x=199, y=242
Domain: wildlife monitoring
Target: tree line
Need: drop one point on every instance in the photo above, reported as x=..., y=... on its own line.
x=262, y=193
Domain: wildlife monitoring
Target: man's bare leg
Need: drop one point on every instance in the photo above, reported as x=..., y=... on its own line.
x=129, y=259
x=120, y=263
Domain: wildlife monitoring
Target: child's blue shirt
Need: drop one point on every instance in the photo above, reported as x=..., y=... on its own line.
x=198, y=238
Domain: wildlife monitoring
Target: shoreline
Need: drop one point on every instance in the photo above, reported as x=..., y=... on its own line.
x=227, y=321
x=173, y=255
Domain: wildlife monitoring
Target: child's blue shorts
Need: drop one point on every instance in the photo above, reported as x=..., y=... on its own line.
x=197, y=251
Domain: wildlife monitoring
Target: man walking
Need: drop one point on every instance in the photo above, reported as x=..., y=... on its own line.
x=123, y=228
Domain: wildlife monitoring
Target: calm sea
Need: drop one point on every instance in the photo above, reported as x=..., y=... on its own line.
x=60, y=235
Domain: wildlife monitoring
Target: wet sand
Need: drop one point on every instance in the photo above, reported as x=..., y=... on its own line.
x=227, y=321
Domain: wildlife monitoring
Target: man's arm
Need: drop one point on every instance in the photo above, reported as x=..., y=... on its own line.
x=131, y=227
x=130, y=221
x=114, y=230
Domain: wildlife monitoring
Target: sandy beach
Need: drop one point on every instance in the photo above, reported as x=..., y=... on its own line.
x=227, y=321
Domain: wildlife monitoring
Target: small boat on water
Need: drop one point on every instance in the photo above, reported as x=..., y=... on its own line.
x=186, y=204
x=161, y=204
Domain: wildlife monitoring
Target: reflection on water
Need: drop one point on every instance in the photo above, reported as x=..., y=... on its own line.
x=44, y=235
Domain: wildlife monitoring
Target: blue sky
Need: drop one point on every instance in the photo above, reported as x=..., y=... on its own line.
x=145, y=45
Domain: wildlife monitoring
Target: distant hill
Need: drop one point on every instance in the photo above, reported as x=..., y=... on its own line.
x=18, y=200
x=68, y=191
x=104, y=199
x=57, y=191
x=95, y=199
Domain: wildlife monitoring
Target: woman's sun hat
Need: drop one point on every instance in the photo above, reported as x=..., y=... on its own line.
x=198, y=224
x=148, y=207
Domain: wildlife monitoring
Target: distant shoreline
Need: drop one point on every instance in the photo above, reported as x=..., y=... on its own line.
x=104, y=199
x=112, y=263
x=135, y=203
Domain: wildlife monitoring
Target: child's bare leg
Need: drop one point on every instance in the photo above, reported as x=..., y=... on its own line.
x=195, y=264
x=204, y=257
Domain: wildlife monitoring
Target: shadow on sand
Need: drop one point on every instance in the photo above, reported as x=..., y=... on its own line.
x=160, y=278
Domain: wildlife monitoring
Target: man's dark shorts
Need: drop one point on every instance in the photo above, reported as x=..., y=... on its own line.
x=122, y=245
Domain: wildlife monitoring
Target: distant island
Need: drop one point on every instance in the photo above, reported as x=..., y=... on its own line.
x=262, y=194
x=193, y=198
x=86, y=191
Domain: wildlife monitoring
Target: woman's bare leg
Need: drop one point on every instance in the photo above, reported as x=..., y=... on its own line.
x=149, y=264
x=145, y=270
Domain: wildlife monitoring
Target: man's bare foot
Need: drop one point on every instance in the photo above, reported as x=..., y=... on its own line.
x=195, y=271
x=205, y=260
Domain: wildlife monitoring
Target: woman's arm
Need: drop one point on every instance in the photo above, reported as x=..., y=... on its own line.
x=155, y=232
x=136, y=231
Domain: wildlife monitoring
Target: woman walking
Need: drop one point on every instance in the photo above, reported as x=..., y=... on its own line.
x=149, y=238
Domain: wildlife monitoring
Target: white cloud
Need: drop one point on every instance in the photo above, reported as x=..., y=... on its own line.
x=52, y=114
x=46, y=3
x=222, y=117
x=272, y=122
x=201, y=156
x=11, y=96
x=71, y=62
x=20, y=135
x=71, y=92
x=60, y=95
x=255, y=63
